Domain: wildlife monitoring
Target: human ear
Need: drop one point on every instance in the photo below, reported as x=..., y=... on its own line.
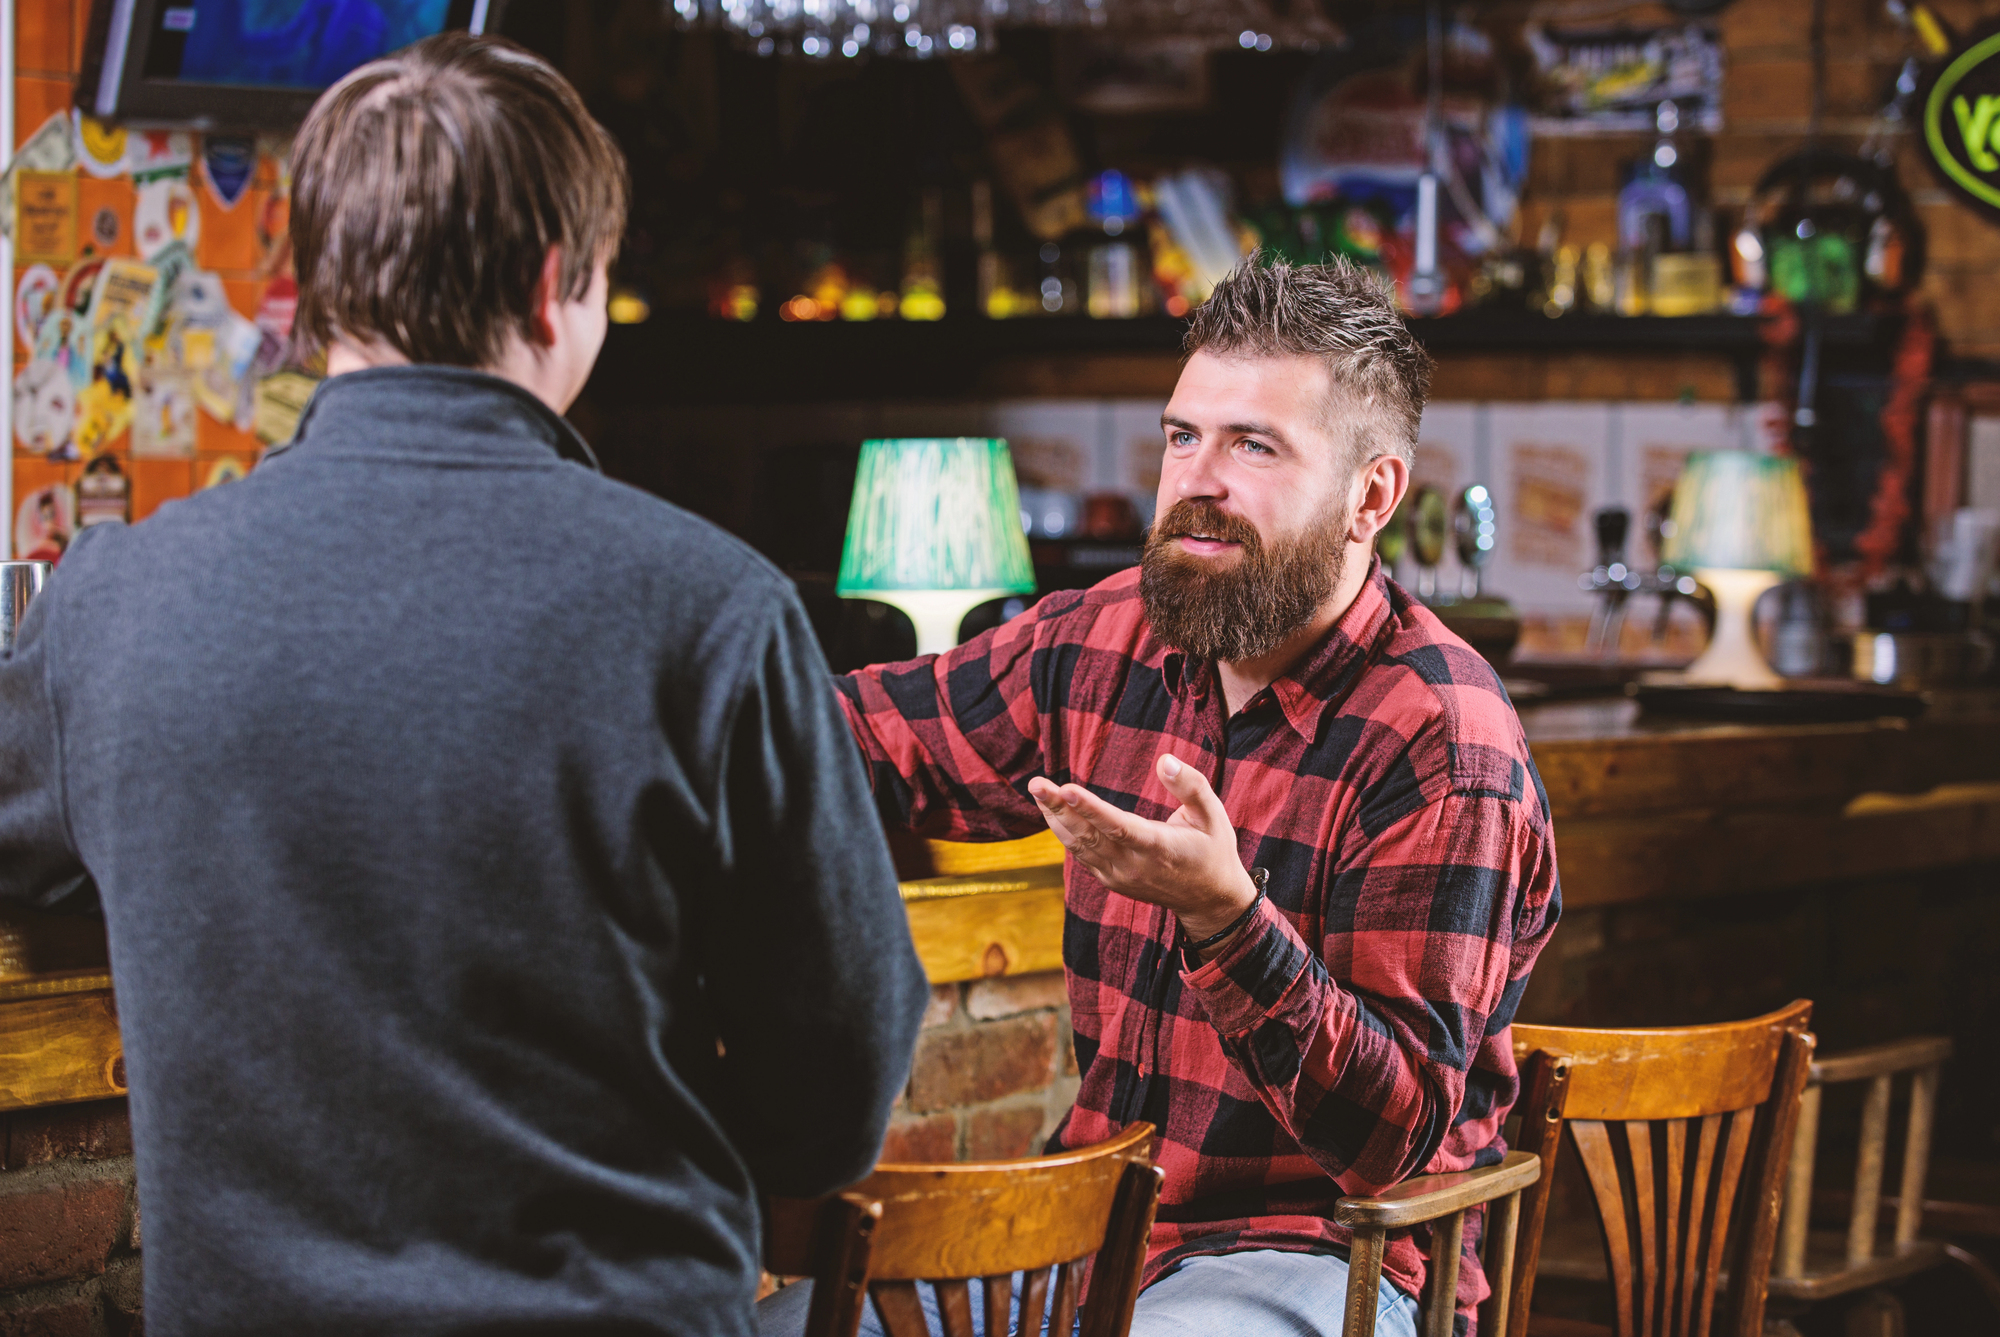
x=548, y=299
x=1378, y=490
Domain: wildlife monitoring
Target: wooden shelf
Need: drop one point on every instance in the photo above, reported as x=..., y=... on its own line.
x=696, y=360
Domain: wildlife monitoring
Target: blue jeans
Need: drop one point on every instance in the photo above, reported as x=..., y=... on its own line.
x=1258, y=1293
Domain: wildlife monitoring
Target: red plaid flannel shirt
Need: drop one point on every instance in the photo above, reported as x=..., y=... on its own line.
x=1357, y=1032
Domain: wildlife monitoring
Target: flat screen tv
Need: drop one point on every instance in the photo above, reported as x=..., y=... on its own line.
x=245, y=63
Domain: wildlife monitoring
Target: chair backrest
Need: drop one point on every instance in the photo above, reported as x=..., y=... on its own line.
x=1923, y=1057
x=1673, y=1127
x=1085, y=1212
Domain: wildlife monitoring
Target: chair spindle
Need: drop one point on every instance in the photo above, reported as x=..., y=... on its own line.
x=1799, y=1187
x=1447, y=1241
x=1861, y=1221
x=1364, y=1279
x=1917, y=1152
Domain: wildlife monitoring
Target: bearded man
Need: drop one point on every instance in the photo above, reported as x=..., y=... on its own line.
x=1310, y=862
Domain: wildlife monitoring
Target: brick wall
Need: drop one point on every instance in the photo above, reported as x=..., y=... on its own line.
x=994, y=1072
x=69, y=1223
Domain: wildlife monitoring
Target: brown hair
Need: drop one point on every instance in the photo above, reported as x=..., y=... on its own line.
x=427, y=189
x=1338, y=312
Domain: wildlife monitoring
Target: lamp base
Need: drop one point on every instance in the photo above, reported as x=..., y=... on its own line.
x=1732, y=658
x=936, y=613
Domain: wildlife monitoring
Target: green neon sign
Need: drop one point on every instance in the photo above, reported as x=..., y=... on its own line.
x=1962, y=123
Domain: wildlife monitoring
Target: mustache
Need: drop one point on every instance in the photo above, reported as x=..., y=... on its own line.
x=1188, y=517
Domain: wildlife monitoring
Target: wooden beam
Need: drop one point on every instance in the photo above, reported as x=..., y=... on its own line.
x=60, y=1047
x=973, y=928
x=1686, y=856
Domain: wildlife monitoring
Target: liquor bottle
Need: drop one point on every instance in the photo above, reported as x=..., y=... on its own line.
x=1116, y=273
x=923, y=269
x=999, y=297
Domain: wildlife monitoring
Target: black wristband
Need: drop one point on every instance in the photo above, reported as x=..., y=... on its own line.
x=1260, y=876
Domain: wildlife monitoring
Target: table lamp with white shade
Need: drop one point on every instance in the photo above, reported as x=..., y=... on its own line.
x=935, y=530
x=1741, y=525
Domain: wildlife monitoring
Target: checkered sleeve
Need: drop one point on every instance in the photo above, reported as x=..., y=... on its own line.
x=950, y=741
x=1360, y=1048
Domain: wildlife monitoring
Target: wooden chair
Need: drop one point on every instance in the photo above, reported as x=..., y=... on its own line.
x=1681, y=1132
x=1428, y=1200
x=947, y=1224
x=1813, y=1266
x=1512, y=1242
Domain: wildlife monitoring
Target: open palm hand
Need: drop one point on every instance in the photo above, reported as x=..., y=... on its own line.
x=1187, y=863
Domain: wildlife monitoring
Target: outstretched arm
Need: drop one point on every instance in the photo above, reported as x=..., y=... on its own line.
x=950, y=741
x=1358, y=1046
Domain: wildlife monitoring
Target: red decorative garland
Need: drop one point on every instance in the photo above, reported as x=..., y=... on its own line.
x=1909, y=381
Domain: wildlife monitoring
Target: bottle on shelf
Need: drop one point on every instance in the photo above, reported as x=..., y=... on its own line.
x=1116, y=270
x=1667, y=262
x=922, y=296
x=1057, y=285
x=1001, y=294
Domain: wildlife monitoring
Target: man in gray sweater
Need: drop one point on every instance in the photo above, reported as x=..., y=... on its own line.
x=495, y=899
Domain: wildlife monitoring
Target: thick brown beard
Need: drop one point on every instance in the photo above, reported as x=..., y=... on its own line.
x=1246, y=608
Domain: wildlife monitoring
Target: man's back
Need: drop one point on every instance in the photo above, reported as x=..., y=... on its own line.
x=448, y=804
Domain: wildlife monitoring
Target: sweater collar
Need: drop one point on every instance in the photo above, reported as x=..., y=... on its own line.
x=434, y=414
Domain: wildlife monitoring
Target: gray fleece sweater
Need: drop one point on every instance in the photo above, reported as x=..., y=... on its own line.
x=496, y=902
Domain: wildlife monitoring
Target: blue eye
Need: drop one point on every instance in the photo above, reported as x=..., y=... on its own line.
x=1258, y=446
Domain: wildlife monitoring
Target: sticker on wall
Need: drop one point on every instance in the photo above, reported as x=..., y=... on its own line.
x=274, y=237
x=45, y=523
x=79, y=284
x=225, y=470
x=102, y=149
x=65, y=332
x=106, y=227
x=163, y=420
x=280, y=401
x=154, y=151
x=34, y=298
x=104, y=407
x=47, y=150
x=172, y=265
x=164, y=214
x=228, y=164
x=279, y=306
x=201, y=298
x=221, y=384
x=103, y=494
x=45, y=217
x=122, y=290
x=44, y=409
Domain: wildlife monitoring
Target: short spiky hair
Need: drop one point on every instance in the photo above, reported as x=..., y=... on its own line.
x=1338, y=312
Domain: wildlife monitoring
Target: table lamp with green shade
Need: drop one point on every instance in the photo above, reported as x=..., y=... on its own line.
x=1741, y=525
x=935, y=530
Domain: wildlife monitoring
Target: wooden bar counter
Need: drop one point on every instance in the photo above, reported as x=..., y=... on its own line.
x=1645, y=814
